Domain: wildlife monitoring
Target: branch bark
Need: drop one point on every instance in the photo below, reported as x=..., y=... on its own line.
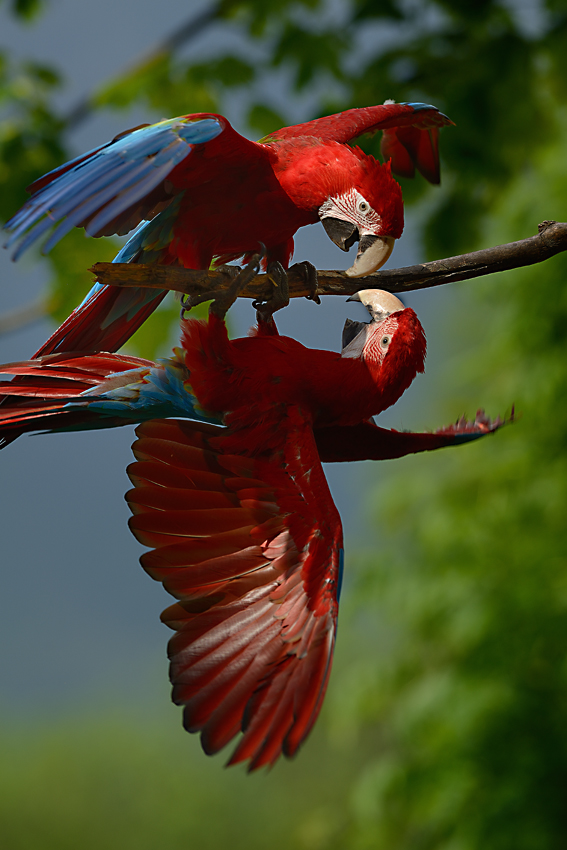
x=551, y=240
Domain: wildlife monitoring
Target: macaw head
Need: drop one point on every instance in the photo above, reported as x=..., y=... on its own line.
x=366, y=207
x=392, y=344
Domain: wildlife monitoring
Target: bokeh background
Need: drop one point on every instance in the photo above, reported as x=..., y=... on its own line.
x=445, y=722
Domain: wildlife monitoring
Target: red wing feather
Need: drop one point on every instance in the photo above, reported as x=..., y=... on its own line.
x=347, y=126
x=253, y=558
x=33, y=399
x=88, y=327
x=410, y=148
x=366, y=441
x=410, y=137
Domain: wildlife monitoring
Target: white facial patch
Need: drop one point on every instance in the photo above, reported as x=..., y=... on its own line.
x=373, y=342
x=379, y=338
x=351, y=206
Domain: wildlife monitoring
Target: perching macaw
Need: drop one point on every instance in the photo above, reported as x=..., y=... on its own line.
x=202, y=192
x=235, y=507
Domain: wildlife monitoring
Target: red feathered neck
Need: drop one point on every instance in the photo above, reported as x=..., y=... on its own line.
x=312, y=172
x=404, y=359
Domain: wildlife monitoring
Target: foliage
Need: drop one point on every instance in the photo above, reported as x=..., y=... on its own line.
x=486, y=64
x=139, y=783
x=26, y=9
x=30, y=132
x=469, y=602
x=455, y=710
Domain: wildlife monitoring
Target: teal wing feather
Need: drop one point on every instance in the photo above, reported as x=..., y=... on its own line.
x=105, y=188
x=76, y=393
x=108, y=316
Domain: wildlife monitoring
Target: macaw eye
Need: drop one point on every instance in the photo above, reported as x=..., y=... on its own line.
x=385, y=341
x=363, y=206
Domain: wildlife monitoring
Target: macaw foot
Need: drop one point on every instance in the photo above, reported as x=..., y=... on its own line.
x=309, y=274
x=223, y=299
x=280, y=293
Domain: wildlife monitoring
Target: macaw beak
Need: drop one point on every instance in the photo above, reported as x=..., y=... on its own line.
x=373, y=251
x=343, y=233
x=380, y=304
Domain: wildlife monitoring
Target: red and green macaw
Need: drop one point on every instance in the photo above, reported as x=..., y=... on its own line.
x=199, y=192
x=233, y=502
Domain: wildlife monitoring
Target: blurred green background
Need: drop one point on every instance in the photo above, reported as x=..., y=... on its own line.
x=445, y=723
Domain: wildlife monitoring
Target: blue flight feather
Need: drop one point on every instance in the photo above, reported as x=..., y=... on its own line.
x=149, y=239
x=160, y=392
x=107, y=181
x=419, y=106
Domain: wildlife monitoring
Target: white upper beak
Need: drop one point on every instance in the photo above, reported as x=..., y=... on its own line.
x=369, y=260
x=379, y=303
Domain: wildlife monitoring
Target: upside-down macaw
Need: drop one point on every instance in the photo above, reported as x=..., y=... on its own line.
x=200, y=192
x=235, y=507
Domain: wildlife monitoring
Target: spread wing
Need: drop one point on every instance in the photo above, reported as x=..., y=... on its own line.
x=410, y=137
x=366, y=441
x=252, y=549
x=114, y=187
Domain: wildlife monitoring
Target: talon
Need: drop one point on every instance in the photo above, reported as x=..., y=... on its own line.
x=223, y=299
x=311, y=278
x=280, y=293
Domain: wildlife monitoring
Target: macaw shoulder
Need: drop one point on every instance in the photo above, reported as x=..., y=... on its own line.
x=227, y=151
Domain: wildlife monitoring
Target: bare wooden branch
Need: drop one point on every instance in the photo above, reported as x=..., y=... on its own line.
x=551, y=240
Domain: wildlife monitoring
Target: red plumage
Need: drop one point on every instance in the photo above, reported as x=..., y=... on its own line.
x=240, y=524
x=208, y=194
x=243, y=529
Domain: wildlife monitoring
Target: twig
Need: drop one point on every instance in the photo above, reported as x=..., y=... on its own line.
x=551, y=239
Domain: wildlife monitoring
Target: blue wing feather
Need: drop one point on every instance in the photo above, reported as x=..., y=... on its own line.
x=108, y=181
x=42, y=401
x=163, y=391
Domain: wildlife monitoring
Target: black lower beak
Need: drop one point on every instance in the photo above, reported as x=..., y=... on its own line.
x=343, y=233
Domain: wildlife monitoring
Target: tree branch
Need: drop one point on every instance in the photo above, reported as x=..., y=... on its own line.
x=551, y=240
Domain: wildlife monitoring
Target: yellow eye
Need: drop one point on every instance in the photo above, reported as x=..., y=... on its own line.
x=363, y=206
x=385, y=341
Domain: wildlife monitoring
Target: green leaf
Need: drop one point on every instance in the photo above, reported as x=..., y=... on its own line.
x=258, y=15
x=49, y=77
x=26, y=9
x=364, y=9
x=123, y=91
x=310, y=53
x=228, y=71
